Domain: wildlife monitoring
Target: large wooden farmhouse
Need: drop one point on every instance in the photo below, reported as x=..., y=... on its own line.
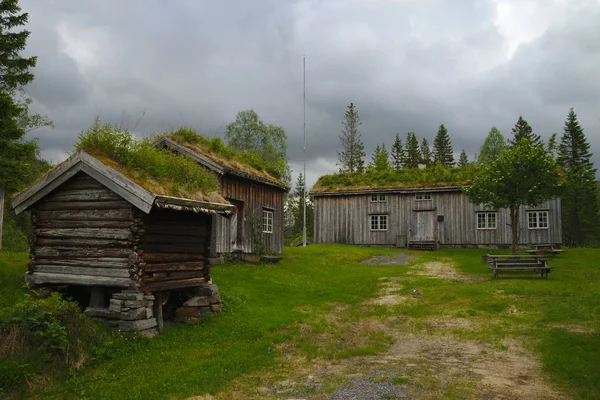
x=257, y=224
x=426, y=218
x=123, y=251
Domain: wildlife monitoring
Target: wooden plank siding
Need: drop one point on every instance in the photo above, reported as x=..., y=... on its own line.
x=82, y=234
x=345, y=218
x=255, y=198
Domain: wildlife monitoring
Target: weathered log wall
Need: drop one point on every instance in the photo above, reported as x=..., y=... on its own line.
x=346, y=219
x=174, y=247
x=250, y=199
x=82, y=235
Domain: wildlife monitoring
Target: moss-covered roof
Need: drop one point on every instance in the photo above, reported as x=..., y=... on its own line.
x=407, y=178
x=232, y=161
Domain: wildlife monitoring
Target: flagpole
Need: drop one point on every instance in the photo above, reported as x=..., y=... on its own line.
x=304, y=130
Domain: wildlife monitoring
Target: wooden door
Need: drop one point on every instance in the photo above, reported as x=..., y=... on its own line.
x=423, y=226
x=237, y=226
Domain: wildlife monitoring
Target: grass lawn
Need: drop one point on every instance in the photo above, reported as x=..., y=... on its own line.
x=320, y=305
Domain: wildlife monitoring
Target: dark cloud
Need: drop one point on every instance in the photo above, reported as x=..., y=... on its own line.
x=408, y=66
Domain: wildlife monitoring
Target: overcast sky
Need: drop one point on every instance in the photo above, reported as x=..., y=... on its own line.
x=408, y=65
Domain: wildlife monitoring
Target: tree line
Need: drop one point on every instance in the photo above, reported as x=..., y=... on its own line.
x=522, y=170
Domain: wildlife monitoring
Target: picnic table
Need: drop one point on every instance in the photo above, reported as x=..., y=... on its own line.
x=519, y=263
x=544, y=249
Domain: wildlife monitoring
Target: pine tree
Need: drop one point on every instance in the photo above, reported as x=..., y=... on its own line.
x=492, y=147
x=17, y=155
x=300, y=197
x=380, y=160
x=463, y=160
x=426, y=156
x=523, y=130
x=413, y=155
x=580, y=197
x=351, y=158
x=398, y=153
x=442, y=148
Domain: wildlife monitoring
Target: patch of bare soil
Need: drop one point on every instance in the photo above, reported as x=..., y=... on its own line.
x=574, y=328
x=442, y=270
x=389, y=294
x=398, y=259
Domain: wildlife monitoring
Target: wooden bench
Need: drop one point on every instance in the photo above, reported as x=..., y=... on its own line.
x=520, y=263
x=544, y=249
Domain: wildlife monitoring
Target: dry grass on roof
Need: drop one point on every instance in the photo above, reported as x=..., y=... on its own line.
x=432, y=177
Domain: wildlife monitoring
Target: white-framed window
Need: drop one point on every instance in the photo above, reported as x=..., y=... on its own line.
x=377, y=198
x=267, y=221
x=537, y=219
x=379, y=222
x=487, y=220
x=422, y=196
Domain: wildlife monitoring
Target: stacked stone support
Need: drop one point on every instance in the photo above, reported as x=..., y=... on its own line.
x=205, y=300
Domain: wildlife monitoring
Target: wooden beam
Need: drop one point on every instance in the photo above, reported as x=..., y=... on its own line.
x=122, y=214
x=82, y=242
x=84, y=195
x=181, y=266
x=171, y=276
x=83, y=252
x=43, y=278
x=169, y=285
x=98, y=233
x=81, y=205
x=95, y=262
x=171, y=258
x=69, y=270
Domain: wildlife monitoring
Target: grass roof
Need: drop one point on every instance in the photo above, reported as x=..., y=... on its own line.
x=158, y=171
x=437, y=176
x=215, y=149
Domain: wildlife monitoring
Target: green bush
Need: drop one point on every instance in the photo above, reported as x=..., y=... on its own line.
x=46, y=334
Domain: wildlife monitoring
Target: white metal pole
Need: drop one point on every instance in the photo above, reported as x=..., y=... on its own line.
x=304, y=130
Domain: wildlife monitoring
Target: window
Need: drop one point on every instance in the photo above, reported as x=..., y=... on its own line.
x=423, y=196
x=379, y=222
x=537, y=219
x=486, y=220
x=377, y=198
x=267, y=221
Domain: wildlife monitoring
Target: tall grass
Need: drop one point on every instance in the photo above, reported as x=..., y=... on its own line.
x=158, y=170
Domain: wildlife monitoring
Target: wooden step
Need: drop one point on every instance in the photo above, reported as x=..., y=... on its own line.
x=422, y=245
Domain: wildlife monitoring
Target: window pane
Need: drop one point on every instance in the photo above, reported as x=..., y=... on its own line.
x=383, y=222
x=419, y=196
x=373, y=197
x=532, y=217
x=374, y=221
x=491, y=222
x=543, y=219
x=382, y=197
x=427, y=196
x=480, y=220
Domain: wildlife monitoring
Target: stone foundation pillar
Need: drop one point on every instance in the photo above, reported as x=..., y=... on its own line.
x=205, y=301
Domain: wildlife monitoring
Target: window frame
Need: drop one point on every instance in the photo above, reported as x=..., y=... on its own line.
x=486, y=220
x=537, y=219
x=377, y=221
x=422, y=196
x=268, y=218
x=378, y=198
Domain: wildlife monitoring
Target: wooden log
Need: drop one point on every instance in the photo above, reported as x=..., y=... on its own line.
x=170, y=276
x=96, y=233
x=100, y=262
x=82, y=205
x=174, y=248
x=182, y=266
x=78, y=252
x=44, y=278
x=65, y=269
x=171, y=258
x=82, y=242
x=123, y=214
x=81, y=194
x=169, y=285
x=84, y=224
x=158, y=310
x=158, y=239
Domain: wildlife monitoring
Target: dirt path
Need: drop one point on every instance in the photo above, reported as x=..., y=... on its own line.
x=418, y=365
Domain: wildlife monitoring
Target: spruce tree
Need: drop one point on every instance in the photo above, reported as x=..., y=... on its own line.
x=426, y=156
x=492, y=147
x=351, y=158
x=413, y=155
x=442, y=148
x=463, y=160
x=398, y=153
x=380, y=160
x=580, y=197
x=523, y=130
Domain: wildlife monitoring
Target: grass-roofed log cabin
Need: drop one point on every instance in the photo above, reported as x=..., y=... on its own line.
x=125, y=252
x=256, y=227
x=400, y=209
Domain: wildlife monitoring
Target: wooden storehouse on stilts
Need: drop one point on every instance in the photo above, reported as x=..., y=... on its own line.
x=127, y=254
